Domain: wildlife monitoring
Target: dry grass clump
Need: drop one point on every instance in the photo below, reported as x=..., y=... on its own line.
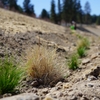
x=42, y=65
x=83, y=42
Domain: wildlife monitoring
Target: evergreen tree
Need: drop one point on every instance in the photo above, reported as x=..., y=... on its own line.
x=44, y=14
x=28, y=8
x=87, y=10
x=98, y=20
x=79, y=12
x=13, y=4
x=53, y=15
x=10, y=3
x=94, y=18
x=65, y=12
x=5, y=2
x=71, y=10
x=59, y=12
x=19, y=9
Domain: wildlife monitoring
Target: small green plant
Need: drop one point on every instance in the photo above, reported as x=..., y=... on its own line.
x=81, y=51
x=72, y=27
x=79, y=36
x=10, y=75
x=73, y=62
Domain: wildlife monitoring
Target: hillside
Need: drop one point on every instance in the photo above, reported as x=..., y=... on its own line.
x=19, y=33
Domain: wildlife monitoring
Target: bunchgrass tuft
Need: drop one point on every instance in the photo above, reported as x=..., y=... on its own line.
x=79, y=36
x=10, y=75
x=81, y=51
x=73, y=62
x=84, y=42
x=41, y=64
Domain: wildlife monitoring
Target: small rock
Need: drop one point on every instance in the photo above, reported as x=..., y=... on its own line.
x=93, y=56
x=59, y=94
x=60, y=49
x=90, y=85
x=7, y=95
x=59, y=84
x=91, y=78
x=84, y=98
x=67, y=85
x=25, y=96
x=49, y=98
x=34, y=83
x=45, y=91
x=53, y=89
x=85, y=61
x=80, y=94
x=73, y=98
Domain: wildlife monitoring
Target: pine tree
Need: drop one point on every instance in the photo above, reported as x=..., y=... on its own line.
x=65, y=11
x=71, y=10
x=87, y=11
x=59, y=12
x=28, y=8
x=98, y=20
x=5, y=2
x=13, y=4
x=79, y=11
x=44, y=14
x=94, y=18
x=53, y=15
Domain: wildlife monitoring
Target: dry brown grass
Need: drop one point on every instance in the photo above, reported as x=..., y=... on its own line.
x=83, y=42
x=42, y=64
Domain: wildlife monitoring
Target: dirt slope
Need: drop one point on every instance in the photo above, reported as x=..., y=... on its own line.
x=17, y=23
x=20, y=32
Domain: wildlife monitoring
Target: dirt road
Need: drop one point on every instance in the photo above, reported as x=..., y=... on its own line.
x=91, y=29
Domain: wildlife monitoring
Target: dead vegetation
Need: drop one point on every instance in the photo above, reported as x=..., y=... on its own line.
x=42, y=65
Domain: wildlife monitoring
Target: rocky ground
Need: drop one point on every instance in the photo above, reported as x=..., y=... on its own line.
x=19, y=33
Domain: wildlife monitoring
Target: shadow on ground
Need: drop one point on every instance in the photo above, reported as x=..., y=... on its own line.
x=85, y=30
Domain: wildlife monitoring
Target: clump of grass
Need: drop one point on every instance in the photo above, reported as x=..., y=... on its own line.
x=41, y=64
x=84, y=42
x=10, y=75
x=79, y=36
x=81, y=51
x=73, y=62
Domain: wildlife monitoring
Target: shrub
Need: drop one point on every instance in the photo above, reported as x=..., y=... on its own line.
x=81, y=51
x=41, y=64
x=73, y=62
x=84, y=42
x=10, y=75
x=72, y=27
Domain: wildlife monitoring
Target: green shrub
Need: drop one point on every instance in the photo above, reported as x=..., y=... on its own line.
x=72, y=27
x=10, y=75
x=73, y=62
x=81, y=51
